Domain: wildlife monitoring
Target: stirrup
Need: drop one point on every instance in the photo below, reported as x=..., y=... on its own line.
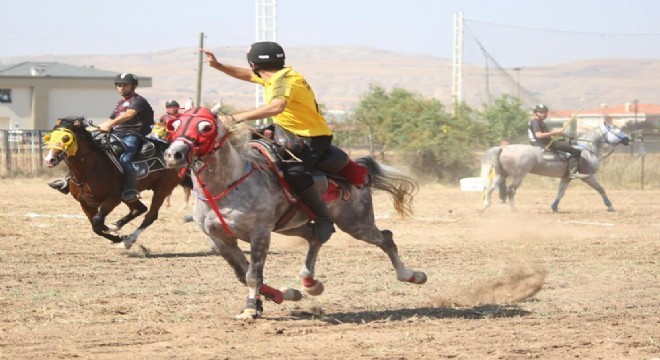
x=129, y=195
x=61, y=185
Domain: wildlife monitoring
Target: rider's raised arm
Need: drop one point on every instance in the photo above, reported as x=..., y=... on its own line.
x=265, y=111
x=237, y=72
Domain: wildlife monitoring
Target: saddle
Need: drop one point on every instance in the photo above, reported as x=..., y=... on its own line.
x=334, y=173
x=551, y=154
x=148, y=159
x=556, y=155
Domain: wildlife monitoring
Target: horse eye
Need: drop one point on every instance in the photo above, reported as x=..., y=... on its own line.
x=204, y=127
x=66, y=138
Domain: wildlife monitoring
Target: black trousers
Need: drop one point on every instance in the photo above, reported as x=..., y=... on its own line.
x=563, y=145
x=298, y=173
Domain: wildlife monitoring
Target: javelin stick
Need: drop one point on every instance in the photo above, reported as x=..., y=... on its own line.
x=564, y=127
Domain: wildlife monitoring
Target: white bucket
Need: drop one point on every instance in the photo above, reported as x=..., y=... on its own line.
x=472, y=184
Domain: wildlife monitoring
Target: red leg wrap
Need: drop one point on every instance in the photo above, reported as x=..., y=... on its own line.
x=308, y=282
x=271, y=294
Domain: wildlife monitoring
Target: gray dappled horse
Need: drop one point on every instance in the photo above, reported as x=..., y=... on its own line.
x=516, y=161
x=240, y=198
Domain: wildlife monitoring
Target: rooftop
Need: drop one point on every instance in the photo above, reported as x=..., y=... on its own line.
x=53, y=69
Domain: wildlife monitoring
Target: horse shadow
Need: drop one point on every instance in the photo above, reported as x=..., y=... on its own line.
x=145, y=253
x=489, y=311
x=149, y=255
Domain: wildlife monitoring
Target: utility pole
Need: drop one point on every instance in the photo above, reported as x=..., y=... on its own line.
x=457, y=63
x=266, y=30
x=198, y=98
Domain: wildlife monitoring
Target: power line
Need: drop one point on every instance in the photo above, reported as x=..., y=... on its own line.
x=488, y=56
x=563, y=31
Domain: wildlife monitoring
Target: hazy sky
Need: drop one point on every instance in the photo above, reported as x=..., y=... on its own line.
x=70, y=27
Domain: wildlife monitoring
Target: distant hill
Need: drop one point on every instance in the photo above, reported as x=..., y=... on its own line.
x=341, y=74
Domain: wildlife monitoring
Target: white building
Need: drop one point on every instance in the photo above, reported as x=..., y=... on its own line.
x=34, y=94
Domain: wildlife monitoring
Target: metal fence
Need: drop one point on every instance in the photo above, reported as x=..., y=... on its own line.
x=21, y=152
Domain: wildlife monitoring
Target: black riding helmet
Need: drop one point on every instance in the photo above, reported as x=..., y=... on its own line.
x=126, y=78
x=266, y=55
x=172, y=103
x=540, y=108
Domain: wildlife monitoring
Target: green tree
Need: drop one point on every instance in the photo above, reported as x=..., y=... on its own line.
x=419, y=129
x=506, y=119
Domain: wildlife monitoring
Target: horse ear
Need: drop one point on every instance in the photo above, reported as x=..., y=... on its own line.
x=170, y=125
x=58, y=122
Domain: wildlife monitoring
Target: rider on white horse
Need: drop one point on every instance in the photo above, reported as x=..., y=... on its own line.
x=300, y=126
x=540, y=135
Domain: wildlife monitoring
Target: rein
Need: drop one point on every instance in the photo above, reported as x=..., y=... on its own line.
x=80, y=182
x=608, y=130
x=212, y=199
x=209, y=197
x=294, y=158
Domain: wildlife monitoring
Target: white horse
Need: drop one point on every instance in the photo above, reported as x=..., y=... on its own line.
x=240, y=198
x=516, y=161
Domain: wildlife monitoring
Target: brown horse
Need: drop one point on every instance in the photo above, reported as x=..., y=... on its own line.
x=96, y=177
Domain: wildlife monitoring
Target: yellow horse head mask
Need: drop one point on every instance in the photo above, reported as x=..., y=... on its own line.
x=62, y=139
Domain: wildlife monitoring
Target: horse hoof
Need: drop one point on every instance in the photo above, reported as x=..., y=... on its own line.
x=128, y=243
x=290, y=294
x=316, y=289
x=248, y=315
x=252, y=311
x=611, y=209
x=112, y=230
x=418, y=278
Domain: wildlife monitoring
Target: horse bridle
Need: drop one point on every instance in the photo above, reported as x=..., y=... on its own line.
x=64, y=155
x=608, y=130
x=194, y=145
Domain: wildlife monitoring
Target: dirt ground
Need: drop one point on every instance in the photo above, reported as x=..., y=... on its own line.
x=583, y=283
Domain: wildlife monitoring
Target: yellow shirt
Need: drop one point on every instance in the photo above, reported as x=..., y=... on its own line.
x=301, y=115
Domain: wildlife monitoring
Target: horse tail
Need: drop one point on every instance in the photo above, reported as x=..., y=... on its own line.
x=491, y=166
x=489, y=162
x=402, y=188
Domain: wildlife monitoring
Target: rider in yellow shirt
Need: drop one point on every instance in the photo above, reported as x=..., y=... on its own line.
x=299, y=125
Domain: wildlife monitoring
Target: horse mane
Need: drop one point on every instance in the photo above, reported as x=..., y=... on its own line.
x=592, y=134
x=78, y=125
x=239, y=138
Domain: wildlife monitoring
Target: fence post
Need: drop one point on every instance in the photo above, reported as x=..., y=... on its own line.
x=40, y=150
x=5, y=134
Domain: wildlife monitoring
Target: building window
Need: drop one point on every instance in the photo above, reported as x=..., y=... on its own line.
x=5, y=96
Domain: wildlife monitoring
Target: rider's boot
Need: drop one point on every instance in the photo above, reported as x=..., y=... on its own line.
x=61, y=185
x=130, y=192
x=573, y=168
x=323, y=225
